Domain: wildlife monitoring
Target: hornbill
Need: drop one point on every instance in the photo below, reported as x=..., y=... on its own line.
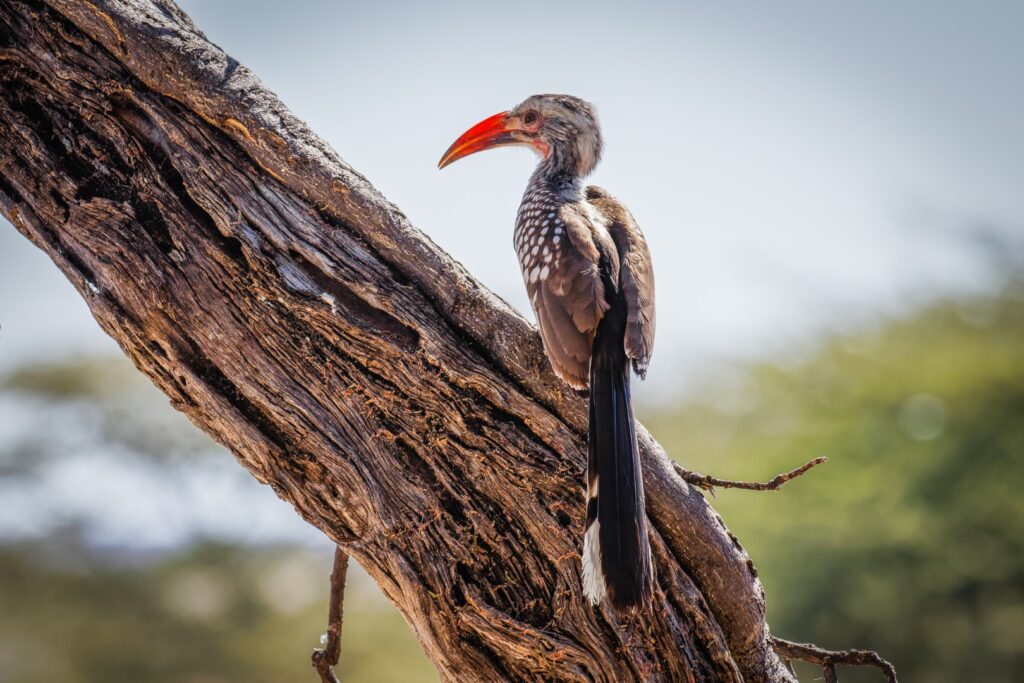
x=589, y=278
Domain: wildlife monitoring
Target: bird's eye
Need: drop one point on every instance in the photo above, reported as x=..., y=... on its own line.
x=530, y=118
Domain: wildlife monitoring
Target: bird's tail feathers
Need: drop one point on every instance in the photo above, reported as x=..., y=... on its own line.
x=616, y=551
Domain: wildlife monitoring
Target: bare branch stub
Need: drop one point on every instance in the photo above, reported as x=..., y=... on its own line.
x=708, y=483
x=829, y=659
x=324, y=660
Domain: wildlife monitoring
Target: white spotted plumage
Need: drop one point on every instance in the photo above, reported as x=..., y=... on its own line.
x=538, y=236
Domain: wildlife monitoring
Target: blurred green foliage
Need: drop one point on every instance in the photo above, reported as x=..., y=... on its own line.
x=213, y=611
x=909, y=541
x=212, y=614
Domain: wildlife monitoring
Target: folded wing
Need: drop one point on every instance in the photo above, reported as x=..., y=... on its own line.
x=636, y=276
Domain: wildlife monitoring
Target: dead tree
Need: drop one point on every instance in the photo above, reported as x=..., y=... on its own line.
x=298, y=318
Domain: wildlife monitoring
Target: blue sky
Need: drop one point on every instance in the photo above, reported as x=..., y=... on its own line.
x=795, y=165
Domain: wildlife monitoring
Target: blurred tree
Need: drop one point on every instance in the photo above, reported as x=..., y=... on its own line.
x=911, y=540
x=211, y=613
x=81, y=606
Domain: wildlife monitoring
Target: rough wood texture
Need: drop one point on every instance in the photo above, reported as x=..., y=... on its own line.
x=298, y=318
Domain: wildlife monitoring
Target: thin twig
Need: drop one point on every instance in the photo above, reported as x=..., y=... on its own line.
x=789, y=666
x=828, y=659
x=708, y=483
x=324, y=660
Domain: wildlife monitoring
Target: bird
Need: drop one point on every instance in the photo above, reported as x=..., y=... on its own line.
x=590, y=282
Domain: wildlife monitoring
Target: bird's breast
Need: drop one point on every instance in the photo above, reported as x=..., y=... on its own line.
x=539, y=240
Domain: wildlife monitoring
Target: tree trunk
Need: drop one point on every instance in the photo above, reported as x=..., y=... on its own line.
x=298, y=318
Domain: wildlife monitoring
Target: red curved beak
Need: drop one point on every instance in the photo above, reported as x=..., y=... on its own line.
x=493, y=131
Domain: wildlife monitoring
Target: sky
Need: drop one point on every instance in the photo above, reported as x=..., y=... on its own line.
x=796, y=166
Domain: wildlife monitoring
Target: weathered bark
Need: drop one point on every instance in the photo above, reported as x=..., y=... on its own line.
x=298, y=318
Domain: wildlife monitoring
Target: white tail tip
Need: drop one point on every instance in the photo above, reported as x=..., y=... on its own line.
x=593, y=578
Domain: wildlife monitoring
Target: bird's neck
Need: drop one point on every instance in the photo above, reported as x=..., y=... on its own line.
x=559, y=183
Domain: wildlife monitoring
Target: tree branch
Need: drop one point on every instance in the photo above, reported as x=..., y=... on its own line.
x=324, y=660
x=829, y=659
x=708, y=483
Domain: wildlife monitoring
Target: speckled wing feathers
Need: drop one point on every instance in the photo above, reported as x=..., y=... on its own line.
x=558, y=256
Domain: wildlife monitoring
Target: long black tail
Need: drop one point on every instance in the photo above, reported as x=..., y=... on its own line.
x=616, y=552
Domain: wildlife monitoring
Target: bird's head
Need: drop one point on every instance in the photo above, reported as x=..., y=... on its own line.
x=562, y=129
